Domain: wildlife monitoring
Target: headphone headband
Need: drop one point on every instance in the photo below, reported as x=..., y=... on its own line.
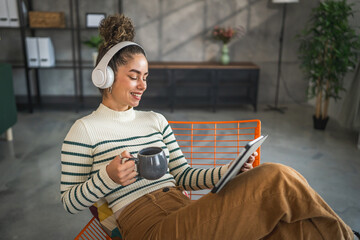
x=100, y=73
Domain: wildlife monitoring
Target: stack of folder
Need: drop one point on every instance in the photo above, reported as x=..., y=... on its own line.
x=40, y=52
x=9, y=14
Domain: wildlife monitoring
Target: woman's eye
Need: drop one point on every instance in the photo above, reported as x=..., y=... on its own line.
x=133, y=78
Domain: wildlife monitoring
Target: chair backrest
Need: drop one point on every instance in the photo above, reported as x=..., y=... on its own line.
x=205, y=145
x=212, y=144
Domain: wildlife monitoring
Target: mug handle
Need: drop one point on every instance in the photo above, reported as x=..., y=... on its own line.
x=136, y=160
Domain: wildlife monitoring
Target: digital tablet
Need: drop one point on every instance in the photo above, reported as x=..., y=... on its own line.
x=242, y=158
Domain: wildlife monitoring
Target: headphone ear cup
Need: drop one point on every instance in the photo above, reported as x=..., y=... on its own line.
x=109, y=77
x=99, y=79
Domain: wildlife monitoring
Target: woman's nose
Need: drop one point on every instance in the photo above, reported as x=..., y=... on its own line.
x=141, y=84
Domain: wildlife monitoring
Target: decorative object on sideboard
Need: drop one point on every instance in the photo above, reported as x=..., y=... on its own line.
x=329, y=48
x=94, y=42
x=225, y=35
x=46, y=19
x=225, y=58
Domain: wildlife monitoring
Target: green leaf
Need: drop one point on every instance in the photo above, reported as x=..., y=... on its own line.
x=94, y=42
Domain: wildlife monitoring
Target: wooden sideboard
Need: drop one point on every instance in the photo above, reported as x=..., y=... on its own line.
x=203, y=84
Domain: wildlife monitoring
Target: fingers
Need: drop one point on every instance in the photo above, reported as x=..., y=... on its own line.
x=252, y=158
x=122, y=173
x=125, y=154
x=249, y=164
x=126, y=169
x=130, y=179
x=127, y=176
x=246, y=167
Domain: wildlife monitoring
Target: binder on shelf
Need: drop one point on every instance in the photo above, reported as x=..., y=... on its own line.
x=40, y=51
x=32, y=51
x=46, y=52
x=4, y=16
x=13, y=13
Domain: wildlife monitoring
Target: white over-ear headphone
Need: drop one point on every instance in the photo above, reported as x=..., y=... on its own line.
x=103, y=76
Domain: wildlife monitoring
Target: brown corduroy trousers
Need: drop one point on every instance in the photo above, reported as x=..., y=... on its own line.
x=271, y=201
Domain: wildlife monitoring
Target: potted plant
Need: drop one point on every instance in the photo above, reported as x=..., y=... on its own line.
x=329, y=48
x=94, y=42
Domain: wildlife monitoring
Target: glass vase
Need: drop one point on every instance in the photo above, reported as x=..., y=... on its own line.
x=225, y=58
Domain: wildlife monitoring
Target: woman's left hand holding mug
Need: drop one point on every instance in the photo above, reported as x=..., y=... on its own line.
x=122, y=173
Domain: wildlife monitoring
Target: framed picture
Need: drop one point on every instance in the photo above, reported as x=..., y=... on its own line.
x=93, y=19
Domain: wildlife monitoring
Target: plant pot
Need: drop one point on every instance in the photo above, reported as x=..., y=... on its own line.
x=320, y=123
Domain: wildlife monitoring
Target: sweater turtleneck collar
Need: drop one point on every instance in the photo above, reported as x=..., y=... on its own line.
x=123, y=116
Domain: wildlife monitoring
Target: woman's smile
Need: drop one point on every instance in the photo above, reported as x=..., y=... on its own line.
x=136, y=95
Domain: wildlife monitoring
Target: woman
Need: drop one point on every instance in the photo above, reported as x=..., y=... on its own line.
x=271, y=201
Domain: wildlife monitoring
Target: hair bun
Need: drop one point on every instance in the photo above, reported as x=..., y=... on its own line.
x=116, y=28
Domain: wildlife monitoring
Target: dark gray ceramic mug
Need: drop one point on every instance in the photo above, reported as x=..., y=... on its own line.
x=151, y=163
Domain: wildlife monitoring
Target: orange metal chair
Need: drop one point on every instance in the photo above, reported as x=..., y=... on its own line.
x=205, y=145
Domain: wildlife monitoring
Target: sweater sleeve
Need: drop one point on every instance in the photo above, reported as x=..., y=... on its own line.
x=186, y=176
x=80, y=189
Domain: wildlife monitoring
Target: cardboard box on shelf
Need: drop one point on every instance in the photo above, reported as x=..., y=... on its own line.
x=46, y=19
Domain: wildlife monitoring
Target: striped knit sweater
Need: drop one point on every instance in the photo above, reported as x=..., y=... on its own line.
x=95, y=140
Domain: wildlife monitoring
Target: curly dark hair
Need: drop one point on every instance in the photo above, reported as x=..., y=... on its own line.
x=115, y=29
